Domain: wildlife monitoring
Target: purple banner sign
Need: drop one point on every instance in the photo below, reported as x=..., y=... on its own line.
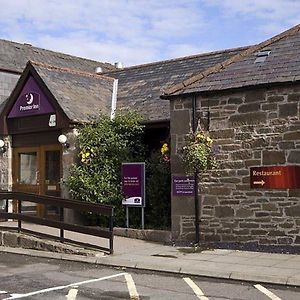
x=133, y=184
x=31, y=101
x=183, y=186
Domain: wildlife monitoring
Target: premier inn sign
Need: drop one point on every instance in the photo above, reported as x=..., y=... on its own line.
x=31, y=101
x=275, y=177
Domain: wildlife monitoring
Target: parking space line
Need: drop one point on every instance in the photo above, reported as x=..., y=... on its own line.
x=131, y=287
x=266, y=292
x=195, y=288
x=64, y=286
x=72, y=294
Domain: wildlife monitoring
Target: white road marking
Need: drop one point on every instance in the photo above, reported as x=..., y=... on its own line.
x=3, y=292
x=195, y=288
x=131, y=287
x=266, y=292
x=64, y=286
x=72, y=294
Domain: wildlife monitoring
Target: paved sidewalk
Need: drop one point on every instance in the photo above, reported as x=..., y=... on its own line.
x=229, y=264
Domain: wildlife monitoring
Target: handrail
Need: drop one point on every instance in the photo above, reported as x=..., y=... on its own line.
x=62, y=202
x=102, y=209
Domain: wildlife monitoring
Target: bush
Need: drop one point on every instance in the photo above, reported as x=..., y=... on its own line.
x=158, y=191
x=104, y=144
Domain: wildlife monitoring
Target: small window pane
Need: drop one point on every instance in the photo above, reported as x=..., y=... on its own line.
x=28, y=168
x=52, y=166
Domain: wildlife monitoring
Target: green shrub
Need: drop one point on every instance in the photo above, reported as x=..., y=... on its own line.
x=104, y=144
x=158, y=192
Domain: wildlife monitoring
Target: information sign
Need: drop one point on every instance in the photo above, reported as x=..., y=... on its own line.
x=133, y=184
x=183, y=185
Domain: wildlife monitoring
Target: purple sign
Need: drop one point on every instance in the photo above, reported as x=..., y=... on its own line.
x=133, y=184
x=183, y=185
x=31, y=101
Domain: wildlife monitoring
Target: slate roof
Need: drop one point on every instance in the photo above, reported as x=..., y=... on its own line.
x=14, y=56
x=282, y=65
x=140, y=86
x=80, y=94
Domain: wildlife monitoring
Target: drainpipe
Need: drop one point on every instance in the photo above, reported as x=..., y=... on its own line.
x=114, y=99
x=196, y=193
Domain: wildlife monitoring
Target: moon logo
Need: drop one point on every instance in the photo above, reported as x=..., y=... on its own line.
x=29, y=98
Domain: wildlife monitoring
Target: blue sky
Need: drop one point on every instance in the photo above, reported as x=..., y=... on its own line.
x=142, y=31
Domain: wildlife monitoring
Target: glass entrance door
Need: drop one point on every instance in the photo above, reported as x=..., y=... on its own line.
x=37, y=170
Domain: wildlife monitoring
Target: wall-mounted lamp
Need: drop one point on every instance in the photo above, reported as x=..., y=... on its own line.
x=2, y=146
x=63, y=140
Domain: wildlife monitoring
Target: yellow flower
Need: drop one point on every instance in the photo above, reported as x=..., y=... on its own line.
x=87, y=154
x=200, y=136
x=209, y=140
x=164, y=149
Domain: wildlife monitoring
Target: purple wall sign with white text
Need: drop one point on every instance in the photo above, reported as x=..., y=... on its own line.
x=183, y=186
x=31, y=101
x=133, y=184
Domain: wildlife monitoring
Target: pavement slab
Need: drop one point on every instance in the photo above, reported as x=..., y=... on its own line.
x=247, y=266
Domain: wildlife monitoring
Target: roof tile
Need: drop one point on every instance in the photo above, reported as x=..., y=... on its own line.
x=80, y=94
x=243, y=71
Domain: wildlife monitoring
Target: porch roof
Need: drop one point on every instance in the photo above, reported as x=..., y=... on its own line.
x=79, y=94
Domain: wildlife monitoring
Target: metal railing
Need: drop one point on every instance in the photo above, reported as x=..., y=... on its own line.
x=94, y=208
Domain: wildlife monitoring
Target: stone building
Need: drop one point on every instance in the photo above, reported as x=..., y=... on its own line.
x=248, y=99
x=251, y=103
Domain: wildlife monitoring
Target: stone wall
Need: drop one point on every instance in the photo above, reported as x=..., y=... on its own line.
x=258, y=127
x=69, y=156
x=7, y=84
x=6, y=165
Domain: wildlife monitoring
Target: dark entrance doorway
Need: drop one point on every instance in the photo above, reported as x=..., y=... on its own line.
x=37, y=170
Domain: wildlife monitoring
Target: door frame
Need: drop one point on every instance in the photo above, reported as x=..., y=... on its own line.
x=40, y=187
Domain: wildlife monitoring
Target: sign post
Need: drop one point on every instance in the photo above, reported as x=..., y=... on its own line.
x=133, y=188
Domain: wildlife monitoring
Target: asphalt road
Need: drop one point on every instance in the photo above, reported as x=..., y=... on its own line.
x=24, y=277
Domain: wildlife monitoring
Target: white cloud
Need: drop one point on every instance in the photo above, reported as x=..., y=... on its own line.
x=178, y=50
x=139, y=31
x=276, y=15
x=108, y=51
x=133, y=30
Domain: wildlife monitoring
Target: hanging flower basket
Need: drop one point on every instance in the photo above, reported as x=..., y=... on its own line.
x=198, y=153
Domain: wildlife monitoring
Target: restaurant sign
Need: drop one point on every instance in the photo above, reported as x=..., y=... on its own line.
x=275, y=177
x=31, y=101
